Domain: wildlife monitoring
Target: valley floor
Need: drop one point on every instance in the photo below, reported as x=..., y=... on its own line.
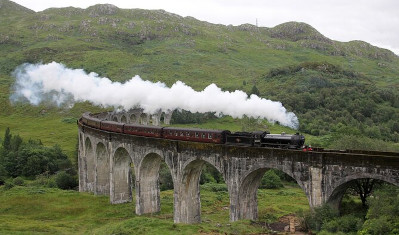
x=38, y=210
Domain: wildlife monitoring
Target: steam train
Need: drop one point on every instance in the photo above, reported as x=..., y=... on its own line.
x=257, y=138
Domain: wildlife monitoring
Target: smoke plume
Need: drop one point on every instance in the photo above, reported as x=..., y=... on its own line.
x=37, y=83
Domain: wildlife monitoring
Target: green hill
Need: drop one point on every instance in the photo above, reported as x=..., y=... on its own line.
x=334, y=87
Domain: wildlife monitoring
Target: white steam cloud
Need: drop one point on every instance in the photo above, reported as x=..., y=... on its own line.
x=55, y=83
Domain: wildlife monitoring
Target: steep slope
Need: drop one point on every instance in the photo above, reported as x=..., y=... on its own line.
x=8, y=8
x=291, y=62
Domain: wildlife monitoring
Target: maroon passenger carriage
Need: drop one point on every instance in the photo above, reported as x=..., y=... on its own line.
x=112, y=126
x=142, y=130
x=195, y=134
x=91, y=121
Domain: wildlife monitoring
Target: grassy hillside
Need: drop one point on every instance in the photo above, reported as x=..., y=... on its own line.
x=36, y=210
x=345, y=94
x=333, y=87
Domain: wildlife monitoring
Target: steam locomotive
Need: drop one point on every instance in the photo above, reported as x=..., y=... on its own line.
x=257, y=138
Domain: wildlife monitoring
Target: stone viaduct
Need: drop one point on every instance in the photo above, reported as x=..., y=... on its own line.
x=107, y=161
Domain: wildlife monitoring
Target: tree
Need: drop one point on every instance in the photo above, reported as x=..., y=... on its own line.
x=31, y=158
x=7, y=140
x=66, y=181
x=364, y=188
x=271, y=180
x=383, y=214
x=254, y=91
x=165, y=178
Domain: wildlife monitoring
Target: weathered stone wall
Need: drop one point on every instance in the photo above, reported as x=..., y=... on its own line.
x=108, y=160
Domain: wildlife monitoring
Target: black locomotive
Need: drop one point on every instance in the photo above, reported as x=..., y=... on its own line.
x=265, y=139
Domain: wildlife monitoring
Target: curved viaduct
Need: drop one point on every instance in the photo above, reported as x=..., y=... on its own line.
x=106, y=162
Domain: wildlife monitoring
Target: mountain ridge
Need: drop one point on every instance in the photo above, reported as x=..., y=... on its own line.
x=289, y=31
x=10, y=8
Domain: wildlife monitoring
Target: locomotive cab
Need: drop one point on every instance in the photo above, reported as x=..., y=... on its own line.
x=297, y=140
x=258, y=135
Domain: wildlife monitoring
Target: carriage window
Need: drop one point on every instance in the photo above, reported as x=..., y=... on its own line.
x=175, y=133
x=209, y=136
x=203, y=135
x=188, y=134
x=196, y=134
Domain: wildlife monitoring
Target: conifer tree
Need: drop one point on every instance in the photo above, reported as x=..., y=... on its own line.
x=255, y=91
x=7, y=140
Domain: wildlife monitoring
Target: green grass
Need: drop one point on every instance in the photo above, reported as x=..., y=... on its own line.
x=50, y=130
x=36, y=210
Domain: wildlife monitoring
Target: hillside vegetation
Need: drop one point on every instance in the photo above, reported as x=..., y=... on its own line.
x=335, y=88
x=345, y=94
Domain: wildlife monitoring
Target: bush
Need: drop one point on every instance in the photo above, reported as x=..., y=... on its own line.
x=18, y=181
x=271, y=180
x=314, y=220
x=66, y=181
x=214, y=187
x=383, y=214
x=3, y=173
x=206, y=177
x=30, y=158
x=380, y=225
x=165, y=178
x=44, y=180
x=345, y=224
x=8, y=185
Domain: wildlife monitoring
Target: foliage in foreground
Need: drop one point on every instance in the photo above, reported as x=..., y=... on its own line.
x=382, y=216
x=31, y=160
x=50, y=210
x=271, y=180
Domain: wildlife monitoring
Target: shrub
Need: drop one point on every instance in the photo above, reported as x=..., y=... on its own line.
x=8, y=185
x=271, y=180
x=380, y=225
x=3, y=172
x=45, y=180
x=214, y=187
x=314, y=220
x=165, y=178
x=383, y=214
x=66, y=181
x=18, y=181
x=346, y=224
x=206, y=177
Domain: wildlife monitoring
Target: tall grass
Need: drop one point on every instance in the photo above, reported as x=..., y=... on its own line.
x=37, y=210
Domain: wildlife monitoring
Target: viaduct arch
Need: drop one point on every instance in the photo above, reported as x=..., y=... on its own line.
x=107, y=160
